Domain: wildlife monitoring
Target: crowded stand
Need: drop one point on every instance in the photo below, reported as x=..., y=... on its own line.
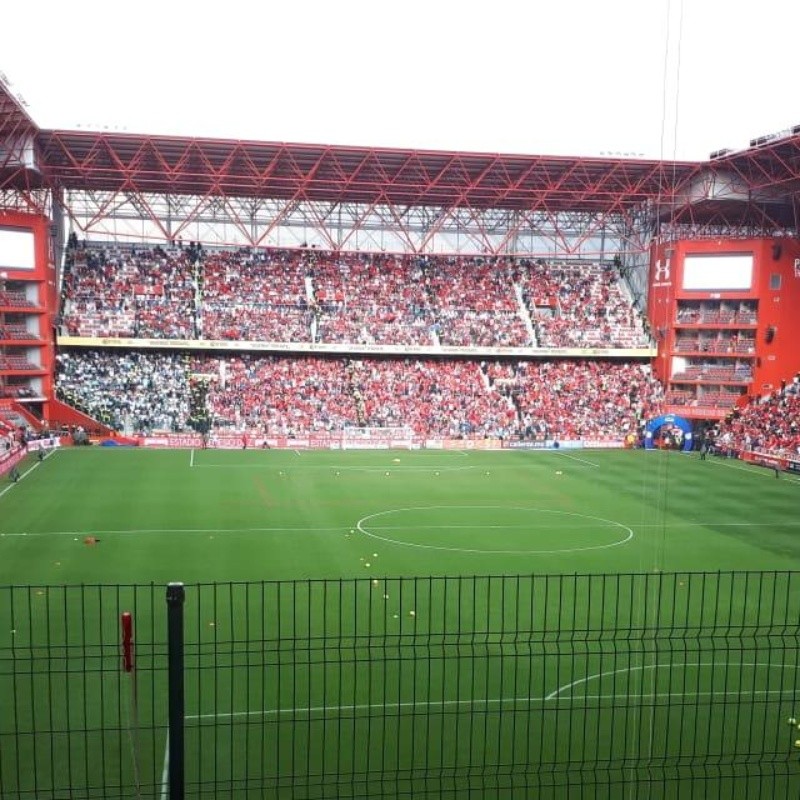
x=771, y=425
x=311, y=295
x=279, y=395
x=434, y=398
x=130, y=292
x=475, y=302
x=578, y=399
x=127, y=391
x=250, y=295
x=580, y=305
x=371, y=299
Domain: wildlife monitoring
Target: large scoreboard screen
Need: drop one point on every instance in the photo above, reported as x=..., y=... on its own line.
x=17, y=249
x=730, y=272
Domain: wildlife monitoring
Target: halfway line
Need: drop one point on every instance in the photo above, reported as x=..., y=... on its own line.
x=176, y=530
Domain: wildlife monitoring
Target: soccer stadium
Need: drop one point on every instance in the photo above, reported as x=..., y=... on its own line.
x=364, y=472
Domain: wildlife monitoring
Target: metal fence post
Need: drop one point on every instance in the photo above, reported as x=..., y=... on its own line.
x=175, y=598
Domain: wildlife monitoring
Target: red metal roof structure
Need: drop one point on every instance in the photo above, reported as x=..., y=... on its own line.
x=754, y=189
x=18, y=152
x=119, y=162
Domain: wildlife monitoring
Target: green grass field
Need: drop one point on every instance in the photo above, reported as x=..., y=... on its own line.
x=403, y=624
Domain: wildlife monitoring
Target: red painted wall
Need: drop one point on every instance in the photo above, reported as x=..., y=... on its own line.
x=41, y=238
x=777, y=308
x=63, y=414
x=43, y=277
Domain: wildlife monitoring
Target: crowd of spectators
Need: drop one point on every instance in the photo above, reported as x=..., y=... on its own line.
x=280, y=395
x=255, y=296
x=305, y=295
x=130, y=292
x=770, y=425
x=475, y=302
x=433, y=398
x=578, y=399
x=127, y=391
x=580, y=305
x=277, y=395
x=371, y=299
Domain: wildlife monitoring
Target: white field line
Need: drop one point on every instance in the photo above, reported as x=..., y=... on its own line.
x=191, y=458
x=339, y=467
x=669, y=666
x=575, y=458
x=297, y=453
x=497, y=701
x=165, y=771
x=765, y=472
x=26, y=473
x=676, y=524
x=181, y=530
x=345, y=528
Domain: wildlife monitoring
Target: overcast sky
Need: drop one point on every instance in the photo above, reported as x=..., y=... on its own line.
x=661, y=78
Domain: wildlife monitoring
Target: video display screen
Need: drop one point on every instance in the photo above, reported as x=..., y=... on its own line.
x=17, y=249
x=718, y=273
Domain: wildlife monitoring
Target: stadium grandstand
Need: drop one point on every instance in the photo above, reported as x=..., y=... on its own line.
x=205, y=300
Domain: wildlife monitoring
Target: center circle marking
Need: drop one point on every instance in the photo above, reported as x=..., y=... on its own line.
x=361, y=526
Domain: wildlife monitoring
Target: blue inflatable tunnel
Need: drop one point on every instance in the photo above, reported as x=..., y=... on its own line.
x=668, y=419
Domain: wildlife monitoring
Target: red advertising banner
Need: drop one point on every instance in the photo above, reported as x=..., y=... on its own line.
x=254, y=440
x=767, y=460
